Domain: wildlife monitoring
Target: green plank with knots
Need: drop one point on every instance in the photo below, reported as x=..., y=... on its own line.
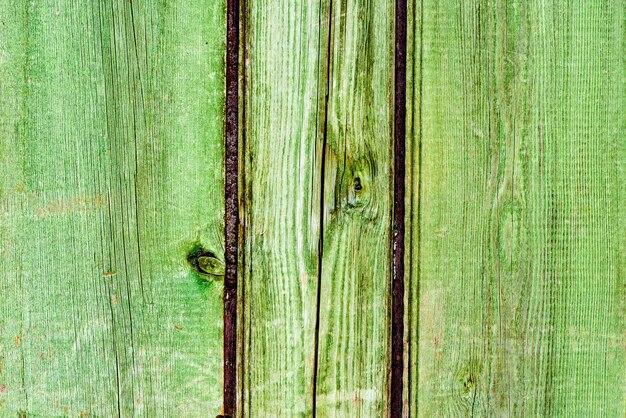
x=318, y=138
x=111, y=160
x=517, y=239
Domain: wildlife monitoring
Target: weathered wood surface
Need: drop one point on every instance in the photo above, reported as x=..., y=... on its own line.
x=111, y=142
x=111, y=159
x=284, y=94
x=516, y=301
x=356, y=260
x=318, y=138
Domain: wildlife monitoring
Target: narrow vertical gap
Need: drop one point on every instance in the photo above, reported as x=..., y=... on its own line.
x=231, y=206
x=320, y=244
x=397, y=279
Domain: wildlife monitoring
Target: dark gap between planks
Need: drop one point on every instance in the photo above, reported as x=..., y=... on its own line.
x=397, y=279
x=231, y=207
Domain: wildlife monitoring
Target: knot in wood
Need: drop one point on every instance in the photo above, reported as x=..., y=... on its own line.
x=206, y=263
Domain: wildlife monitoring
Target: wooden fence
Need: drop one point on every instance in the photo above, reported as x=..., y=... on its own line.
x=331, y=208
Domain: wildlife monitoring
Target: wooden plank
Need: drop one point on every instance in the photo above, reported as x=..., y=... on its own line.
x=518, y=136
x=358, y=186
x=111, y=137
x=301, y=147
x=284, y=86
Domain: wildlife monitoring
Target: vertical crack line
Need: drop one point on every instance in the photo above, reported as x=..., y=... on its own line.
x=231, y=206
x=320, y=244
x=397, y=279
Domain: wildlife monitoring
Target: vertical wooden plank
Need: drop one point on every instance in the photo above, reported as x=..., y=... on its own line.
x=285, y=82
x=318, y=83
x=352, y=375
x=518, y=254
x=112, y=161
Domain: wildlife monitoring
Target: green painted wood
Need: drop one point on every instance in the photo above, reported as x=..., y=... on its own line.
x=111, y=136
x=284, y=100
x=301, y=147
x=355, y=279
x=111, y=144
x=413, y=134
x=517, y=213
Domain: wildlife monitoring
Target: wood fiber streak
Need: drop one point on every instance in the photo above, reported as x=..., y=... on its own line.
x=516, y=303
x=111, y=144
x=318, y=158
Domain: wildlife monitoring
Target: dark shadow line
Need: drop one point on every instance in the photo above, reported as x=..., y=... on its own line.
x=231, y=206
x=397, y=279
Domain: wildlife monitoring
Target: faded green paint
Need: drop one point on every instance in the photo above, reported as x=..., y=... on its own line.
x=356, y=263
x=111, y=194
x=307, y=154
x=517, y=272
x=111, y=141
x=285, y=83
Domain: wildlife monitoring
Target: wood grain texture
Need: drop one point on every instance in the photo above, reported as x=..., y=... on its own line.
x=111, y=141
x=517, y=216
x=284, y=92
x=355, y=277
x=318, y=140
